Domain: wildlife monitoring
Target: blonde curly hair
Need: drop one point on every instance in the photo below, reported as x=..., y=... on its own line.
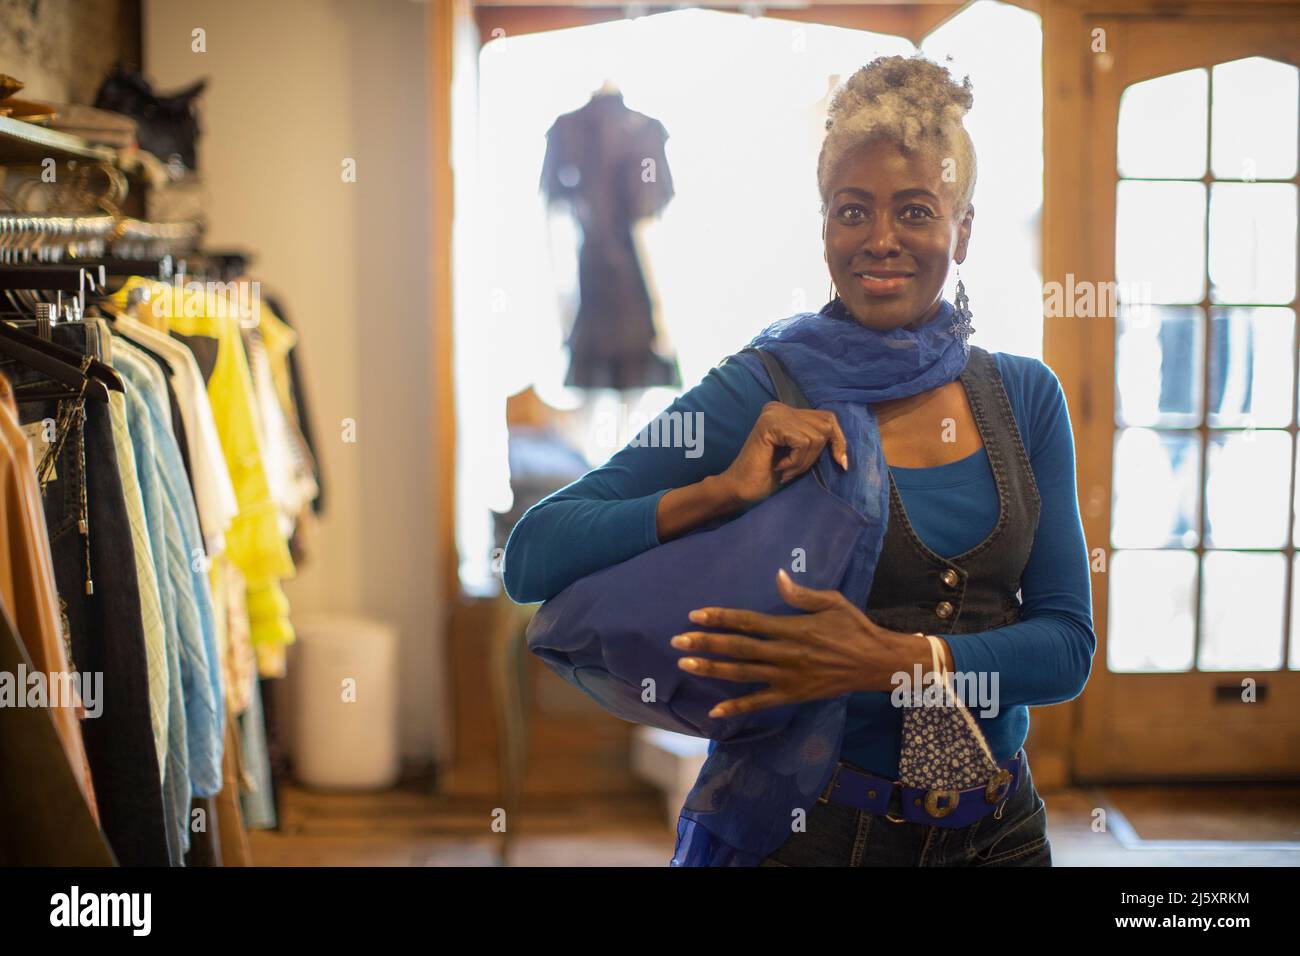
x=912, y=101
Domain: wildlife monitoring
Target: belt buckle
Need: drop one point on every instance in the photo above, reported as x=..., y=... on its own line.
x=932, y=802
x=998, y=786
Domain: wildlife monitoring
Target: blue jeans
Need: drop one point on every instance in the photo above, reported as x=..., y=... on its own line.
x=837, y=835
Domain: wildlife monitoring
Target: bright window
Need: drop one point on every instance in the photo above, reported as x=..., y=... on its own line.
x=743, y=100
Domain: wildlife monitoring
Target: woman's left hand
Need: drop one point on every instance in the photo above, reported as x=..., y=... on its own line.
x=833, y=649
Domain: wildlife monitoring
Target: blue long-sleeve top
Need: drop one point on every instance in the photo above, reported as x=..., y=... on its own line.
x=608, y=516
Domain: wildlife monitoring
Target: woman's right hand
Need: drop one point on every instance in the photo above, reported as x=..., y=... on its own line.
x=782, y=445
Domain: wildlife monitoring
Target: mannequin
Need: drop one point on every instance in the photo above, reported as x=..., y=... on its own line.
x=608, y=310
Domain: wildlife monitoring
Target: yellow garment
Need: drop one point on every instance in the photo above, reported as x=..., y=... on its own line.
x=254, y=542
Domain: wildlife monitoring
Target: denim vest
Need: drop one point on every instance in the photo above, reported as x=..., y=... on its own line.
x=915, y=589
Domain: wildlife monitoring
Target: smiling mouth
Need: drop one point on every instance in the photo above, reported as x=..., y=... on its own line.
x=880, y=283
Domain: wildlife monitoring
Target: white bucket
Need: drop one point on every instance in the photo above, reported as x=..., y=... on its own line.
x=342, y=681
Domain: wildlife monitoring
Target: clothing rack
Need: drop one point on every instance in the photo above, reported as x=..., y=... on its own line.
x=45, y=278
x=69, y=339
x=25, y=237
x=73, y=255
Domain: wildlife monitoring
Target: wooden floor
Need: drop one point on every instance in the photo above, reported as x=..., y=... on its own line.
x=1255, y=825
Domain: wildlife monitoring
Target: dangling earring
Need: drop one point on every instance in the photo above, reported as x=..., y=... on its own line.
x=962, y=315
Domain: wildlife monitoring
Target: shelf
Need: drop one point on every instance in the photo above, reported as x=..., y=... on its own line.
x=26, y=144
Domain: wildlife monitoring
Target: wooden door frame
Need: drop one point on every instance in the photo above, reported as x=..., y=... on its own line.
x=907, y=19
x=1073, y=350
x=446, y=21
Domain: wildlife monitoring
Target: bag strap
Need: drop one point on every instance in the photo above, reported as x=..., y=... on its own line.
x=788, y=391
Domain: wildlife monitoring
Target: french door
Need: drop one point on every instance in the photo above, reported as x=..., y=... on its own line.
x=1186, y=433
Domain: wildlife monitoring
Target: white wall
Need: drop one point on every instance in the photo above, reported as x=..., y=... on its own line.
x=296, y=87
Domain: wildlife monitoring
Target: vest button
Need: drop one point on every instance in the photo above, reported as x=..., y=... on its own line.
x=950, y=578
x=943, y=610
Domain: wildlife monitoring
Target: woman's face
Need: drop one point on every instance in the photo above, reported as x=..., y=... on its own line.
x=890, y=234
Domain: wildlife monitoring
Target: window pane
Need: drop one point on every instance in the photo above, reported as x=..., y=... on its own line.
x=1252, y=243
x=1255, y=115
x=1251, y=368
x=1247, y=485
x=1241, y=611
x=1151, y=626
x=1160, y=240
x=1295, y=613
x=1155, y=498
x=1295, y=533
x=1158, y=365
x=1162, y=126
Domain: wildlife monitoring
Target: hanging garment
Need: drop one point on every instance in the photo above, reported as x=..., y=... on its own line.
x=190, y=600
x=608, y=163
x=292, y=485
x=239, y=659
x=92, y=548
x=44, y=819
x=213, y=492
x=257, y=802
x=232, y=834
x=276, y=755
x=205, y=842
x=286, y=367
x=160, y=537
x=254, y=543
x=150, y=594
x=27, y=581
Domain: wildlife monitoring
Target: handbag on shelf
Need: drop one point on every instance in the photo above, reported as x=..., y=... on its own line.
x=942, y=747
x=166, y=125
x=608, y=633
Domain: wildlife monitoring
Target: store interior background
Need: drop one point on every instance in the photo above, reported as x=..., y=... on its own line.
x=392, y=293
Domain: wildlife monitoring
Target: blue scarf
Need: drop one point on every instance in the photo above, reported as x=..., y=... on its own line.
x=741, y=807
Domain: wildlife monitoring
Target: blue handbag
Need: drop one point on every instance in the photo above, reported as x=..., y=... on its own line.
x=608, y=633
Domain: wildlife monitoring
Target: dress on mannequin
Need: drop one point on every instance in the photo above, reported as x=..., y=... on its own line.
x=596, y=163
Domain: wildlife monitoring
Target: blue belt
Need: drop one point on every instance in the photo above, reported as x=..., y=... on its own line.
x=856, y=788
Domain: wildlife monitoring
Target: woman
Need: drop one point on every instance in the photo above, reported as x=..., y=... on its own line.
x=979, y=541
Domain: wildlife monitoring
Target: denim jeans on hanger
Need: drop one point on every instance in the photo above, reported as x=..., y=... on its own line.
x=837, y=835
x=106, y=632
